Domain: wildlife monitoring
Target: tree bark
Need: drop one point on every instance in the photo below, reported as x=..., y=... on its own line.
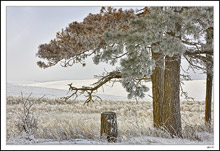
x=157, y=78
x=208, y=100
x=171, y=110
x=109, y=127
x=209, y=78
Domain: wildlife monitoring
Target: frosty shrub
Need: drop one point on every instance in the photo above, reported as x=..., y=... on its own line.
x=27, y=123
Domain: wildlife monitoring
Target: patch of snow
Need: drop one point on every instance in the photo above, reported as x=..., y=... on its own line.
x=144, y=140
x=15, y=90
x=195, y=89
x=169, y=141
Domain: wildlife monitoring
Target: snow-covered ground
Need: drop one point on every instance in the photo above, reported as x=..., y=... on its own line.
x=195, y=89
x=82, y=122
x=134, y=141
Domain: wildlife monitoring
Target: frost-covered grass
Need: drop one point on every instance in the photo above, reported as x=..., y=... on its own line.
x=71, y=120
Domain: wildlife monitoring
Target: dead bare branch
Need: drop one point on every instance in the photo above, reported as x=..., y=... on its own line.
x=90, y=90
x=114, y=75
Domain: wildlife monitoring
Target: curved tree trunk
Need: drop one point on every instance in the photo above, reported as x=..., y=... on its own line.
x=172, y=116
x=157, y=79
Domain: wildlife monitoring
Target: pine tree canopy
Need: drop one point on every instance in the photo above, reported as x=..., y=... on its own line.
x=129, y=37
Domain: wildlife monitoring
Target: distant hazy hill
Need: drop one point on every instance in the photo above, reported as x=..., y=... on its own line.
x=195, y=88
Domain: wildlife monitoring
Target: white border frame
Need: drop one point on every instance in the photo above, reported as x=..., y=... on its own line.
x=4, y=4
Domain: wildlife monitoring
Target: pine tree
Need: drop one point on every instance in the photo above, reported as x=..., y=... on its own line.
x=139, y=42
x=200, y=56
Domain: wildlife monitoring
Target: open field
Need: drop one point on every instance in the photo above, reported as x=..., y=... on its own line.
x=70, y=120
x=54, y=89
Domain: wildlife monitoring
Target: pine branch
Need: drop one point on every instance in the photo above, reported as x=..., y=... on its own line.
x=195, y=52
x=91, y=90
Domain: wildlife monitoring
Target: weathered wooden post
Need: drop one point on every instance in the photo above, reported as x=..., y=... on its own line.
x=109, y=126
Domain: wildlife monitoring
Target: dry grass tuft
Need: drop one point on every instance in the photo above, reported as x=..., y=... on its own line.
x=66, y=120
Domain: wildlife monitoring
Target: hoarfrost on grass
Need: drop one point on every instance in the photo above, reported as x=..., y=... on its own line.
x=71, y=122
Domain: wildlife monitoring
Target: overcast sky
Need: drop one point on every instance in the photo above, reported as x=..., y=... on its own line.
x=28, y=27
